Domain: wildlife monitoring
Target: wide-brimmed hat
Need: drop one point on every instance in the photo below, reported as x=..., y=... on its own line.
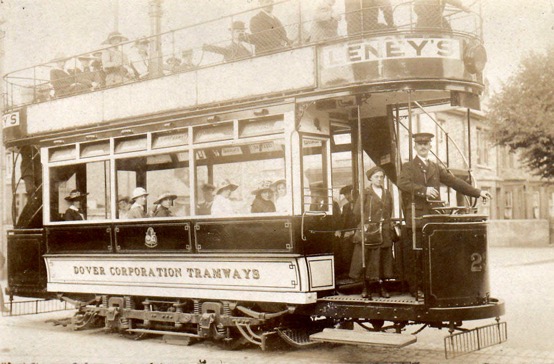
x=346, y=190
x=278, y=182
x=75, y=195
x=138, y=192
x=86, y=57
x=262, y=186
x=163, y=196
x=123, y=198
x=59, y=58
x=141, y=41
x=370, y=172
x=114, y=35
x=422, y=137
x=226, y=185
x=97, y=54
x=237, y=25
x=208, y=187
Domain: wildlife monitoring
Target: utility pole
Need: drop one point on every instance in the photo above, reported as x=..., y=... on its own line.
x=2, y=150
x=155, y=66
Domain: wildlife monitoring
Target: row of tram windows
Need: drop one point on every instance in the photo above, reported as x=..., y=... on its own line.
x=244, y=179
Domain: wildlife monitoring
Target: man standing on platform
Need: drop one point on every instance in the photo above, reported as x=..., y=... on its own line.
x=420, y=181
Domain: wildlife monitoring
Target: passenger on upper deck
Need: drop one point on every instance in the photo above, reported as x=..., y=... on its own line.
x=325, y=23
x=139, y=61
x=268, y=33
x=262, y=202
x=139, y=202
x=363, y=15
x=61, y=81
x=222, y=203
x=205, y=207
x=430, y=13
x=115, y=61
x=282, y=200
x=97, y=67
x=186, y=61
x=162, y=205
x=74, y=211
x=236, y=49
x=86, y=76
x=172, y=65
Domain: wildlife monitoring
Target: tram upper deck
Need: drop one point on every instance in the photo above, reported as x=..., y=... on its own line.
x=422, y=50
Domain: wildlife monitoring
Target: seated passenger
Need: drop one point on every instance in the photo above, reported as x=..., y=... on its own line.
x=162, y=205
x=140, y=60
x=61, y=80
x=115, y=61
x=139, y=202
x=236, y=49
x=262, y=202
x=123, y=206
x=85, y=76
x=172, y=65
x=74, y=212
x=205, y=207
x=222, y=203
x=282, y=200
x=325, y=23
x=97, y=67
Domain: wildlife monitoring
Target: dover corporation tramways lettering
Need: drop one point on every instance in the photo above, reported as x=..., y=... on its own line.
x=194, y=273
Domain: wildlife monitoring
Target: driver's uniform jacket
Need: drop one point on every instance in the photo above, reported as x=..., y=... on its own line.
x=416, y=176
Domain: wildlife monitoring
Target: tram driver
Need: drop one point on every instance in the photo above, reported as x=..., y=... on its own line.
x=74, y=212
x=421, y=178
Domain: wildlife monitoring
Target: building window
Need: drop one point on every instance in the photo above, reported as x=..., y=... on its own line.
x=482, y=147
x=508, y=205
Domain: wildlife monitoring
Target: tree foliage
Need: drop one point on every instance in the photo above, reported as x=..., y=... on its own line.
x=522, y=114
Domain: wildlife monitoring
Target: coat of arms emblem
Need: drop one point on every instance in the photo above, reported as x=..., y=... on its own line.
x=150, y=240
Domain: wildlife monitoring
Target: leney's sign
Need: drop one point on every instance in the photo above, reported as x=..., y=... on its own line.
x=387, y=48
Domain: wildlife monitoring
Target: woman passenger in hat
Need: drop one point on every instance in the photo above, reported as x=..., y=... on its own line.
x=222, y=202
x=262, y=202
x=139, y=202
x=282, y=200
x=74, y=212
x=115, y=61
x=378, y=207
x=162, y=205
x=61, y=80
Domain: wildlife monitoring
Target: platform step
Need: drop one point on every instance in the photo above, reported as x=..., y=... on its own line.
x=352, y=337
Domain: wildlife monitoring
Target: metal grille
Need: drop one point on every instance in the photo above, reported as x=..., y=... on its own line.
x=475, y=339
x=32, y=307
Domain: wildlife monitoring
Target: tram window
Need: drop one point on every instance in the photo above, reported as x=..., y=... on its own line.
x=316, y=185
x=91, y=180
x=158, y=174
x=245, y=166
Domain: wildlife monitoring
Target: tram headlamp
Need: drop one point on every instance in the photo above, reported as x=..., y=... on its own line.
x=475, y=58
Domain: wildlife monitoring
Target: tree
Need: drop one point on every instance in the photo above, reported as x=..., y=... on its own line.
x=522, y=113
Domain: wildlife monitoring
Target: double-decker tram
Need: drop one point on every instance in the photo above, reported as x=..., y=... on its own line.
x=202, y=203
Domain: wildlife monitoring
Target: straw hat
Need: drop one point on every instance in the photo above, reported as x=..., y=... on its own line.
x=75, y=195
x=115, y=35
x=226, y=185
x=163, y=196
x=138, y=192
x=262, y=186
x=60, y=57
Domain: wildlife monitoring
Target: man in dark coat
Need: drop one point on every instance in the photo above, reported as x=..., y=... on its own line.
x=236, y=49
x=421, y=178
x=268, y=33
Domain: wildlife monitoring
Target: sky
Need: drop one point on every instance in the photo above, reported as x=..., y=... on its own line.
x=36, y=30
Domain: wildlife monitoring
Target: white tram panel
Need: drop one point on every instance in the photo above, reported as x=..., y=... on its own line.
x=217, y=84
x=277, y=279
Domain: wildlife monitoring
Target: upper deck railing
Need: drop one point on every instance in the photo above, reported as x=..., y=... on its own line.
x=229, y=39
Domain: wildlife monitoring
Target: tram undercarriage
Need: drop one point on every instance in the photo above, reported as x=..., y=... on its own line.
x=338, y=318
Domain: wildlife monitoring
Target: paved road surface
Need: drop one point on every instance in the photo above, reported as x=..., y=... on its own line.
x=521, y=276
